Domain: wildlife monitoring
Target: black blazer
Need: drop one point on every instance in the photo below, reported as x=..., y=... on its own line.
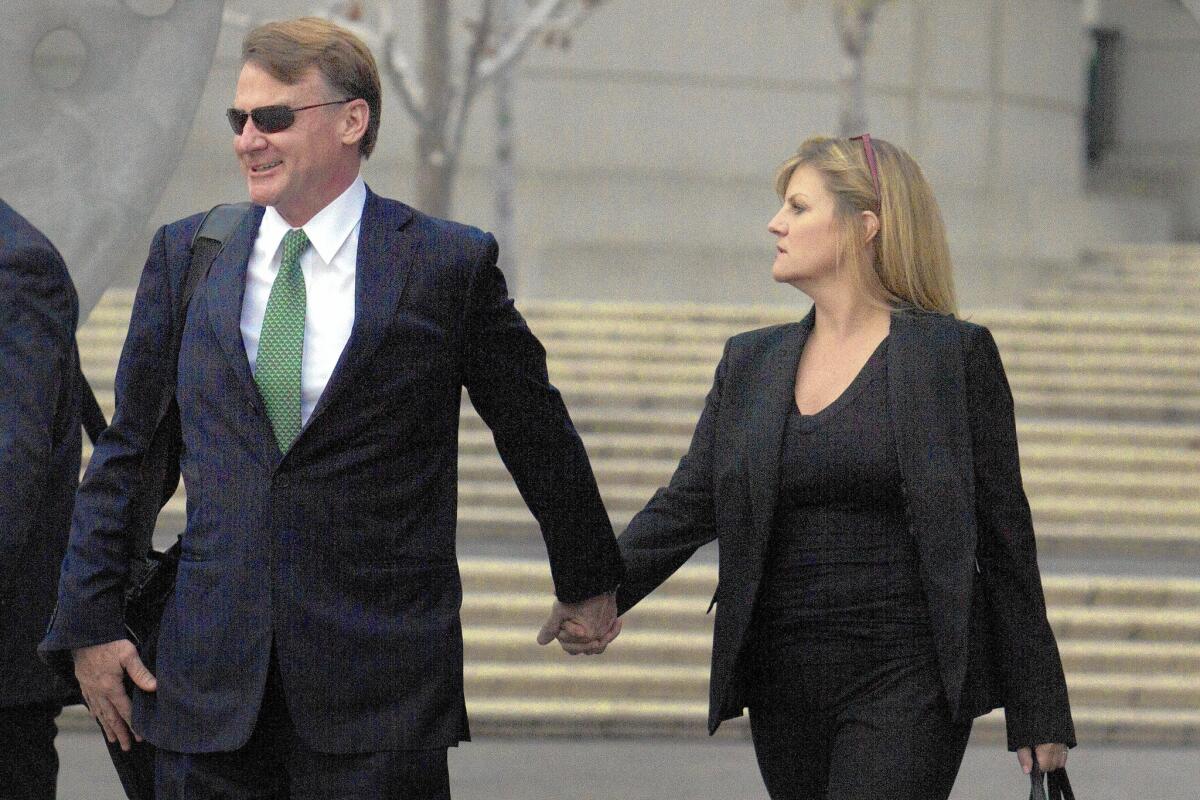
x=341, y=553
x=39, y=450
x=952, y=415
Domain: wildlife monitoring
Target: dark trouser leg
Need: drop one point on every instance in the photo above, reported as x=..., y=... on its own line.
x=792, y=749
x=256, y=771
x=867, y=731
x=407, y=774
x=276, y=765
x=28, y=760
x=898, y=742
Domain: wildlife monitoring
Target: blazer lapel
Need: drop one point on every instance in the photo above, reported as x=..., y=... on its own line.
x=387, y=252
x=766, y=424
x=927, y=402
x=223, y=293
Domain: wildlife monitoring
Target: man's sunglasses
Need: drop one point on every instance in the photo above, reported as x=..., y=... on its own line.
x=271, y=119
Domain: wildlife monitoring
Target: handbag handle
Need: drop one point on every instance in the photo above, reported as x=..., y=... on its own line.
x=1056, y=786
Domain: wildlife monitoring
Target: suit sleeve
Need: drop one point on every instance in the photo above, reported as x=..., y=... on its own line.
x=98, y=554
x=37, y=335
x=680, y=517
x=505, y=375
x=1036, y=707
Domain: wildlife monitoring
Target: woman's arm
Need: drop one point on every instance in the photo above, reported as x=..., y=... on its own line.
x=680, y=517
x=1035, y=691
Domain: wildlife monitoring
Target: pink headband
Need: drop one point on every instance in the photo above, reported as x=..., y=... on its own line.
x=870, y=152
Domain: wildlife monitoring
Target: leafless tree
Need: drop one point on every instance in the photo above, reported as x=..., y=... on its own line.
x=437, y=91
x=853, y=20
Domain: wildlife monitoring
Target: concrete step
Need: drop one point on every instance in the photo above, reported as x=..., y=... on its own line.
x=1124, y=348
x=1106, y=299
x=595, y=679
x=680, y=614
x=1144, y=539
x=697, y=581
x=113, y=311
x=682, y=406
x=609, y=718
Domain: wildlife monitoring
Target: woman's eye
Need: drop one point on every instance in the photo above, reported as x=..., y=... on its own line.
x=797, y=209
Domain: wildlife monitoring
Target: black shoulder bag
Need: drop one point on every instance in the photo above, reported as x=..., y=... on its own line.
x=152, y=573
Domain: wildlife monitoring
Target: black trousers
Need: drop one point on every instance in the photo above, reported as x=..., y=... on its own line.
x=28, y=760
x=878, y=731
x=276, y=765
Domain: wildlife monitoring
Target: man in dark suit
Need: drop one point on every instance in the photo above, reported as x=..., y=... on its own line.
x=313, y=646
x=39, y=471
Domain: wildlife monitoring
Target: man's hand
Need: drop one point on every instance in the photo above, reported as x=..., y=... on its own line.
x=1050, y=757
x=586, y=627
x=101, y=670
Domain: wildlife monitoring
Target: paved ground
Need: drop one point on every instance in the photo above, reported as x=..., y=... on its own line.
x=657, y=769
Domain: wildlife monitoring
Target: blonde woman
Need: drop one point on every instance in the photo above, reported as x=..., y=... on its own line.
x=878, y=581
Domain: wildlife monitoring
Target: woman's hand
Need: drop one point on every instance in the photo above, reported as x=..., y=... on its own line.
x=1050, y=757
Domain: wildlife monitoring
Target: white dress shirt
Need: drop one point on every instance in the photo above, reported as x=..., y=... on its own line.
x=328, y=266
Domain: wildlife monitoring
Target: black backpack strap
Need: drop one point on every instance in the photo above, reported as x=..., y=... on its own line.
x=209, y=240
x=215, y=230
x=160, y=467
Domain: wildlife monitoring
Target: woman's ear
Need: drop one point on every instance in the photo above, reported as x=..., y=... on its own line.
x=870, y=226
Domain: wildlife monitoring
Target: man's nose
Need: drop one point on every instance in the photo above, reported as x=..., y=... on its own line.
x=249, y=139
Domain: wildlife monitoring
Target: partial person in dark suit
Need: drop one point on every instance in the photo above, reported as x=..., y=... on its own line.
x=878, y=582
x=312, y=647
x=39, y=471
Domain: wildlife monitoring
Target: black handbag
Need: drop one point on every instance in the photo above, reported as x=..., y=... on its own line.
x=1048, y=785
x=151, y=579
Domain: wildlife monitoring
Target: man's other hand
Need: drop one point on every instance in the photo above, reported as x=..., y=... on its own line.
x=586, y=627
x=101, y=670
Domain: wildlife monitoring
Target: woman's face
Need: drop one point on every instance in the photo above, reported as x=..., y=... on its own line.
x=806, y=230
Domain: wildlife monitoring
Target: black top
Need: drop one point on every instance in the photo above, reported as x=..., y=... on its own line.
x=841, y=580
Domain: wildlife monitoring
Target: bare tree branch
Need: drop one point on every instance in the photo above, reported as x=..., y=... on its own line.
x=543, y=16
x=404, y=77
x=457, y=122
x=395, y=61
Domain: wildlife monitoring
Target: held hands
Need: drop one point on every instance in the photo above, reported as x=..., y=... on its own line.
x=1050, y=757
x=586, y=627
x=101, y=670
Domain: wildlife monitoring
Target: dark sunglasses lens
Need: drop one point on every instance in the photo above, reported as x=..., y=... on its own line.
x=237, y=120
x=272, y=119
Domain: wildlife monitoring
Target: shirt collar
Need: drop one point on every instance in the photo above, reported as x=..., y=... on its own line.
x=327, y=230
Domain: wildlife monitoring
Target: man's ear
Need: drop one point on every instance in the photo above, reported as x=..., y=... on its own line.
x=355, y=119
x=870, y=226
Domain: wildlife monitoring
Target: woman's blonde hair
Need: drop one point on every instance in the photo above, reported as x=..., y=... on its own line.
x=912, y=266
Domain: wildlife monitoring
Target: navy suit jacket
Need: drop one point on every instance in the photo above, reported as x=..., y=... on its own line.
x=39, y=450
x=340, y=553
x=952, y=415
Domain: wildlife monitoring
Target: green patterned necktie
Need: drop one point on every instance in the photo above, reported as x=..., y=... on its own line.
x=281, y=343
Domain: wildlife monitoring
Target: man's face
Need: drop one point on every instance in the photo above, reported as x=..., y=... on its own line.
x=301, y=169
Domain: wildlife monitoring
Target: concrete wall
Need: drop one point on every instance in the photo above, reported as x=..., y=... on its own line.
x=1157, y=154
x=647, y=150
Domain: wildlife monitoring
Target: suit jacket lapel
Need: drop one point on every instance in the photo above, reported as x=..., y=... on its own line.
x=927, y=401
x=767, y=422
x=387, y=252
x=223, y=293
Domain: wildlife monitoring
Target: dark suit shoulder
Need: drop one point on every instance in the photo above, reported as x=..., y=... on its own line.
x=759, y=339
x=181, y=231
x=31, y=265
x=935, y=324
x=446, y=228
